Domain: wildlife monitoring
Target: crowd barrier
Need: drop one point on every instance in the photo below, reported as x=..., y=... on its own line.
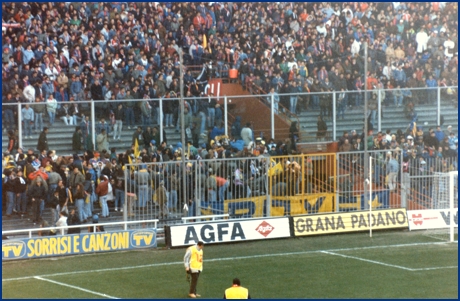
x=164, y=112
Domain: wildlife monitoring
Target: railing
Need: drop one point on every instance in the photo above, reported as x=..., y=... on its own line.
x=94, y=226
x=95, y=110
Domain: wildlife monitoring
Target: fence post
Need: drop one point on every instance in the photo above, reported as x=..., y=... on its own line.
x=379, y=110
x=272, y=114
x=19, y=126
x=125, y=204
x=336, y=167
x=93, y=125
x=225, y=116
x=268, y=185
x=334, y=121
x=198, y=190
x=438, y=116
x=161, y=118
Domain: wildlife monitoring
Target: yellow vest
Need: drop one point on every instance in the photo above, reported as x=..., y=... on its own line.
x=236, y=292
x=196, y=259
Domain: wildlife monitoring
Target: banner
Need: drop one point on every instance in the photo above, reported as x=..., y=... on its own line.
x=49, y=246
x=349, y=222
x=380, y=200
x=280, y=206
x=228, y=231
x=431, y=219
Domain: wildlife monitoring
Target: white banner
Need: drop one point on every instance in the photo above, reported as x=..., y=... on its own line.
x=229, y=231
x=430, y=219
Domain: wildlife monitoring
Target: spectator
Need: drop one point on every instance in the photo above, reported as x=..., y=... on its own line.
x=42, y=143
x=102, y=141
x=28, y=116
x=77, y=140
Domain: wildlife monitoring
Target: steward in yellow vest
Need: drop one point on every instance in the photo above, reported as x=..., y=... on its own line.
x=193, y=262
x=237, y=291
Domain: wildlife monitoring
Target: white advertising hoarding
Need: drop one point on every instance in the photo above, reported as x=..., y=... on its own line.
x=430, y=219
x=229, y=231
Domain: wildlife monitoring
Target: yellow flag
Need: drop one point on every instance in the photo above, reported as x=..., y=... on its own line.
x=131, y=161
x=205, y=42
x=136, y=149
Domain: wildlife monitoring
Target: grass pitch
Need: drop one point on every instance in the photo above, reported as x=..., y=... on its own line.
x=391, y=264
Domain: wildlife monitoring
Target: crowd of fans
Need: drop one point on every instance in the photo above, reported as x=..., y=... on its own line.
x=58, y=54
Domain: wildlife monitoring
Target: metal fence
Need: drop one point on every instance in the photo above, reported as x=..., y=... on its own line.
x=256, y=186
x=164, y=113
x=412, y=182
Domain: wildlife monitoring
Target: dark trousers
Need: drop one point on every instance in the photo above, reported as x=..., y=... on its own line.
x=194, y=282
x=37, y=210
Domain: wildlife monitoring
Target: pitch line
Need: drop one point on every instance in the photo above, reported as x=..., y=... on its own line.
x=223, y=259
x=75, y=287
x=367, y=260
x=389, y=265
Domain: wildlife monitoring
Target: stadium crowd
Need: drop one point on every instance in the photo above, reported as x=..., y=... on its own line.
x=58, y=54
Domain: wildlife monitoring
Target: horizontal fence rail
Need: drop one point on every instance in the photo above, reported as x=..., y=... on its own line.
x=164, y=113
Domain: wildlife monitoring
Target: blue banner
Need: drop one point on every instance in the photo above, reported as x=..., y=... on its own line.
x=49, y=246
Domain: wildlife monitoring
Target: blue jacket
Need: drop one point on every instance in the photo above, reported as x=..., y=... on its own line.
x=58, y=96
x=75, y=87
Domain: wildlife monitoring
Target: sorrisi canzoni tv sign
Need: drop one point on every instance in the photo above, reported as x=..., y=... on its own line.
x=50, y=246
x=349, y=222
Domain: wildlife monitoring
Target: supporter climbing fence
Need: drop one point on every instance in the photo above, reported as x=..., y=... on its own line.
x=163, y=113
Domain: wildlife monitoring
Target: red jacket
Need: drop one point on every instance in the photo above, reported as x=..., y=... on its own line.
x=37, y=173
x=103, y=188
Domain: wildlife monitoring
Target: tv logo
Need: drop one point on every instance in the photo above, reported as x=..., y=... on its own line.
x=143, y=239
x=13, y=250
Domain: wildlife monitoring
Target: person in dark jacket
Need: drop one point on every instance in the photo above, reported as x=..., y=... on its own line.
x=322, y=129
x=43, y=140
x=77, y=139
x=73, y=220
x=8, y=186
x=20, y=187
x=96, y=90
x=294, y=134
x=37, y=195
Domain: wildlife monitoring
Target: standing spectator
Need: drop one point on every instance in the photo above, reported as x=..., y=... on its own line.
x=162, y=200
x=20, y=187
x=51, y=106
x=102, y=190
x=77, y=140
x=37, y=195
x=8, y=186
x=27, y=119
x=79, y=197
x=143, y=180
x=211, y=186
x=42, y=143
x=119, y=194
x=293, y=90
x=102, y=141
x=342, y=103
x=40, y=109
x=321, y=129
x=118, y=115
x=246, y=134
x=392, y=168
x=129, y=113
x=431, y=83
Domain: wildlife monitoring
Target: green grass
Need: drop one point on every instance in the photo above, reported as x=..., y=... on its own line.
x=332, y=266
